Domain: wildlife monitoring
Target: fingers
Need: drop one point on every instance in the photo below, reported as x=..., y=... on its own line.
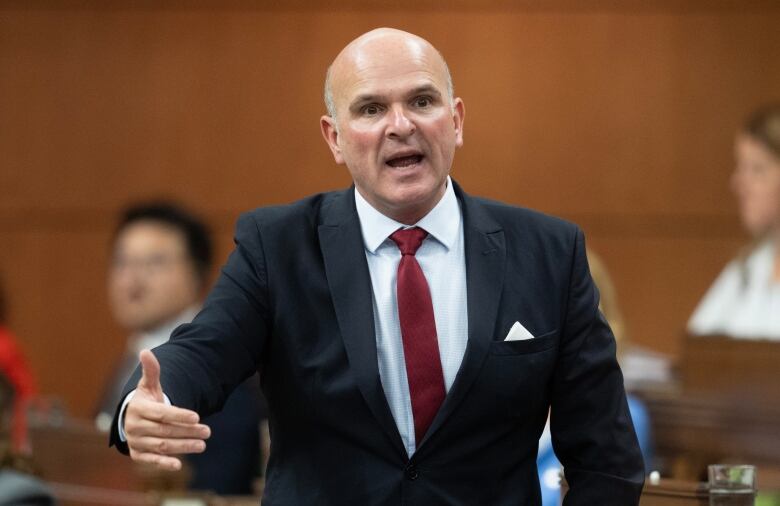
x=156, y=432
x=160, y=461
x=150, y=379
x=140, y=409
x=146, y=429
x=168, y=447
x=160, y=443
x=148, y=418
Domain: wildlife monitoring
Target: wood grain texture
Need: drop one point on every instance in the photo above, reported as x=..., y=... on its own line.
x=618, y=115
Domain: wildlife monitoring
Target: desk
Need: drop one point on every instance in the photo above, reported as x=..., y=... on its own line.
x=694, y=430
x=668, y=493
x=75, y=460
x=742, y=369
x=72, y=451
x=675, y=493
x=79, y=495
x=725, y=408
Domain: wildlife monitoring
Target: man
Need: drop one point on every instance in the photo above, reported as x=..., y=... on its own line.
x=410, y=337
x=162, y=256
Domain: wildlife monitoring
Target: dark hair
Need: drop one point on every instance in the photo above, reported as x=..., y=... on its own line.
x=764, y=126
x=195, y=232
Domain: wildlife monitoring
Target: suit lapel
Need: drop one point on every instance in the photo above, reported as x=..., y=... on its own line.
x=485, y=269
x=349, y=281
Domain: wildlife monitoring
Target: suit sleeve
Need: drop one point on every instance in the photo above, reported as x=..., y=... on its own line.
x=592, y=431
x=205, y=360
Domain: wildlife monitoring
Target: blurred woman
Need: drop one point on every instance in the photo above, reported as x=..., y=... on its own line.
x=744, y=301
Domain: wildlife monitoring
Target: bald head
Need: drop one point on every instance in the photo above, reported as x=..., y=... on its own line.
x=393, y=121
x=368, y=50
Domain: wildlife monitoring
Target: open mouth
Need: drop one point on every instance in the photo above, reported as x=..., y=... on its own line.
x=404, y=161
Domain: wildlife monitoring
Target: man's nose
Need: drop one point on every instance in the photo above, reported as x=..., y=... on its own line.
x=399, y=123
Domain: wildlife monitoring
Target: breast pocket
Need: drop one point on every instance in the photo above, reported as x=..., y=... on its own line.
x=518, y=372
x=537, y=344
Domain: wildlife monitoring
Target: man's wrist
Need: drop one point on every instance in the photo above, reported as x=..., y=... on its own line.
x=121, y=418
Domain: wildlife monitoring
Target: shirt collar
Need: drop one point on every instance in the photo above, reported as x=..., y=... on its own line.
x=159, y=335
x=761, y=263
x=442, y=222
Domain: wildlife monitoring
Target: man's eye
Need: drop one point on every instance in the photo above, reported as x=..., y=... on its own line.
x=422, y=101
x=371, y=110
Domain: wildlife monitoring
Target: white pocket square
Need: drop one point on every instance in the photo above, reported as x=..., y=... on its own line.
x=518, y=333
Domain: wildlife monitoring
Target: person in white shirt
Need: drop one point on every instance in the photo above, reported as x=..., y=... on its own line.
x=744, y=301
x=400, y=295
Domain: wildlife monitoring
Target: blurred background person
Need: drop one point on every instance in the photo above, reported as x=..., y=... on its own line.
x=641, y=366
x=744, y=301
x=161, y=259
x=546, y=461
x=14, y=367
x=18, y=487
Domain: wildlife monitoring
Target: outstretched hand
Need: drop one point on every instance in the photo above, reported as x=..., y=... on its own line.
x=157, y=432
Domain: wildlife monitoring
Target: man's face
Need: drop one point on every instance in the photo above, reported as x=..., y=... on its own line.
x=396, y=127
x=152, y=279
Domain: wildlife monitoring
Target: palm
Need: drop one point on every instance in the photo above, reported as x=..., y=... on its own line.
x=157, y=431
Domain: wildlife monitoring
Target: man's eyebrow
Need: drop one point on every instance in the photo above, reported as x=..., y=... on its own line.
x=367, y=98
x=426, y=88
x=364, y=99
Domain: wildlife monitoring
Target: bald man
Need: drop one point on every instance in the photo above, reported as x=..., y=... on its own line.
x=411, y=338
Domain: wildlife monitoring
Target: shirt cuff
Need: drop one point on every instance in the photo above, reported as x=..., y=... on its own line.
x=121, y=420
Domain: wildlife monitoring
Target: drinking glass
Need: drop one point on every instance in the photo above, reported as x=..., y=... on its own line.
x=732, y=485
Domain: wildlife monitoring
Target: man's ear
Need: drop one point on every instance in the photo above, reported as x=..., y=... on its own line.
x=458, y=117
x=331, y=135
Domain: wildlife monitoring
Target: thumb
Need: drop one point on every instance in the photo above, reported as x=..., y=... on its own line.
x=150, y=379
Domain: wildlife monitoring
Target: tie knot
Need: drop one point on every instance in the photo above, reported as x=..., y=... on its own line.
x=408, y=240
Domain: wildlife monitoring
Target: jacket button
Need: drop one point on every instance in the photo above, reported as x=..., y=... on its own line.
x=411, y=472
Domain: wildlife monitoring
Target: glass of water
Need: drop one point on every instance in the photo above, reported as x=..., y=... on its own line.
x=732, y=485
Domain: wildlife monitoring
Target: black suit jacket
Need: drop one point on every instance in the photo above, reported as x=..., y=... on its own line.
x=294, y=300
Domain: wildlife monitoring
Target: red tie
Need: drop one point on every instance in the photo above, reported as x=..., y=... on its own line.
x=418, y=331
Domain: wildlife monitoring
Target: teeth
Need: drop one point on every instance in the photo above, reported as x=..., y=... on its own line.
x=405, y=161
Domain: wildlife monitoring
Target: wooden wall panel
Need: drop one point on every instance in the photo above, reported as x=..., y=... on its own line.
x=659, y=281
x=618, y=115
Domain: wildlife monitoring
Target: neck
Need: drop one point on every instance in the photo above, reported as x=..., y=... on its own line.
x=410, y=217
x=411, y=214
x=776, y=269
x=169, y=323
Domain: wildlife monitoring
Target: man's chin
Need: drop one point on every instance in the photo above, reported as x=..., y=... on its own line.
x=140, y=324
x=414, y=202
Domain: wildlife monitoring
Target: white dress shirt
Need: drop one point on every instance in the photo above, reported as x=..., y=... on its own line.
x=443, y=261
x=744, y=302
x=156, y=337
